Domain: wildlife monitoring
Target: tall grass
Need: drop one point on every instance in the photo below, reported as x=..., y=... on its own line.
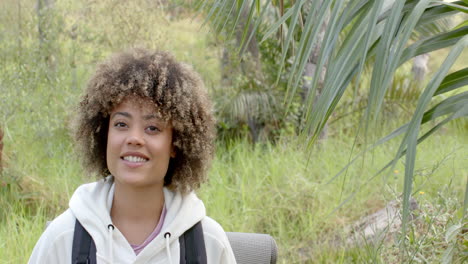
x=276, y=189
x=283, y=191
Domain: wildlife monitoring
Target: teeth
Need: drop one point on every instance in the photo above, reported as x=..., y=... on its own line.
x=134, y=159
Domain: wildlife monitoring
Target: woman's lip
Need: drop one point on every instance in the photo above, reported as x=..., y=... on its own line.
x=133, y=164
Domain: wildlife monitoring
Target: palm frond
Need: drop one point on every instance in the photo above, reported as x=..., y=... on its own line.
x=379, y=33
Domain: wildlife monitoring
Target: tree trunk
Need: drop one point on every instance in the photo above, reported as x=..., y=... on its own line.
x=225, y=68
x=420, y=67
x=252, y=45
x=254, y=127
x=44, y=25
x=250, y=66
x=20, y=45
x=1, y=149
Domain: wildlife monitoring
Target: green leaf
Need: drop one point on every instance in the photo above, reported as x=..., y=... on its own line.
x=314, y=19
x=434, y=43
x=273, y=28
x=372, y=25
x=213, y=8
x=462, y=24
x=220, y=14
x=447, y=106
x=465, y=203
x=334, y=88
x=254, y=29
x=399, y=131
x=435, y=13
x=240, y=4
x=398, y=30
x=359, y=9
x=460, y=8
x=380, y=69
x=452, y=232
x=448, y=255
x=246, y=28
x=410, y=140
x=289, y=37
x=453, y=81
x=239, y=13
x=199, y=8
x=221, y=27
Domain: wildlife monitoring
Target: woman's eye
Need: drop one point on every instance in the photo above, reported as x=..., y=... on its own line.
x=153, y=129
x=120, y=124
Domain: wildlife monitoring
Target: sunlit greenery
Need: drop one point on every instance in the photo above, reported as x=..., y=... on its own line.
x=277, y=186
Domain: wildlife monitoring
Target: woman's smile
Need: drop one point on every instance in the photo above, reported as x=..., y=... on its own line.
x=134, y=159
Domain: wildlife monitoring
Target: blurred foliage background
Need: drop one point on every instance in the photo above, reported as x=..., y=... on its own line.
x=266, y=177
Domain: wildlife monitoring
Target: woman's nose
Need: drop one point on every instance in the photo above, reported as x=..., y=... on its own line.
x=135, y=137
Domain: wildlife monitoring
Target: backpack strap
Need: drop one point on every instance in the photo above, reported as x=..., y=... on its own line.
x=84, y=249
x=192, y=246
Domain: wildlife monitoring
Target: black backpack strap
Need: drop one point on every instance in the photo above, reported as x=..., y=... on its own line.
x=84, y=249
x=192, y=246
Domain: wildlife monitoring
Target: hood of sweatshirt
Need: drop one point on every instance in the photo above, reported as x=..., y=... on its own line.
x=91, y=204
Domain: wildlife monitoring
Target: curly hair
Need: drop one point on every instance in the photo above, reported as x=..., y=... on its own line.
x=177, y=92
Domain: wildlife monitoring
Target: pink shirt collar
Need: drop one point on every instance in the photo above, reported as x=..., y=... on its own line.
x=156, y=231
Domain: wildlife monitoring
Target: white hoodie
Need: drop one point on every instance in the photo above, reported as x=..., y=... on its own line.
x=91, y=204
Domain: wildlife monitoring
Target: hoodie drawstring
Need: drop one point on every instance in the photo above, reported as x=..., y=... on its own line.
x=110, y=229
x=167, y=236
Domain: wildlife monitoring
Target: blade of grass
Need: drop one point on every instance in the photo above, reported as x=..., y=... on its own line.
x=453, y=81
x=213, y=8
x=460, y=113
x=316, y=113
x=311, y=29
x=274, y=27
x=290, y=35
x=465, y=203
x=456, y=107
x=236, y=22
x=328, y=42
x=460, y=8
x=411, y=136
x=219, y=30
x=254, y=29
x=447, y=106
x=395, y=47
x=435, y=13
x=433, y=43
x=220, y=13
x=245, y=31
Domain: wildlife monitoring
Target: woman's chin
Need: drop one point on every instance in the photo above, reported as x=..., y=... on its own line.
x=138, y=181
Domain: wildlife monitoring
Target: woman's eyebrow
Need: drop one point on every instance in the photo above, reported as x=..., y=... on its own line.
x=150, y=116
x=126, y=114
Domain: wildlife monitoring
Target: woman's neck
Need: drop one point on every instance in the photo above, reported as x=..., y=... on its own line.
x=136, y=211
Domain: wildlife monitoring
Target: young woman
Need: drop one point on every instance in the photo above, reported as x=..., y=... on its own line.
x=144, y=124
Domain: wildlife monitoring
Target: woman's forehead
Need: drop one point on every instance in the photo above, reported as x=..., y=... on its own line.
x=133, y=103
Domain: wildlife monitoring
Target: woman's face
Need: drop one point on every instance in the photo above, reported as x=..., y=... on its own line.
x=139, y=145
